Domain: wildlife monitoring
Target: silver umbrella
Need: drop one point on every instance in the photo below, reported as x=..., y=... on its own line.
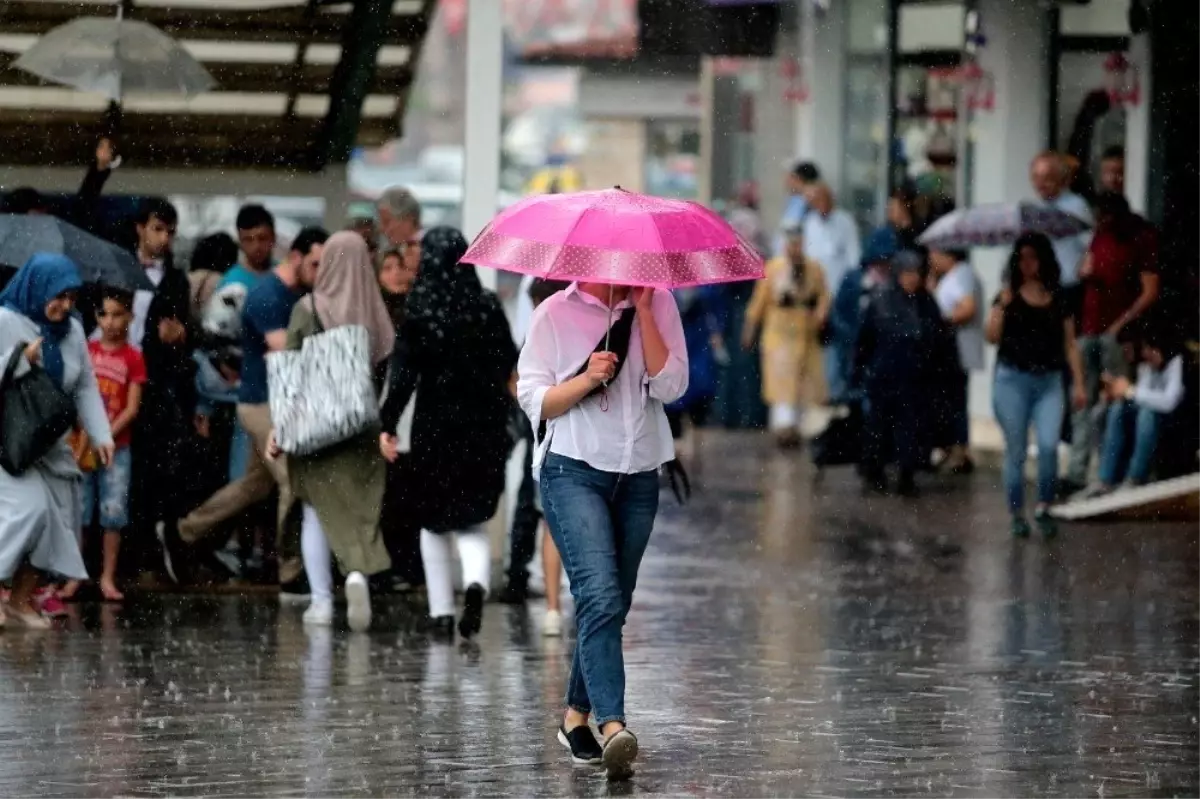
x=99, y=261
x=999, y=225
x=114, y=56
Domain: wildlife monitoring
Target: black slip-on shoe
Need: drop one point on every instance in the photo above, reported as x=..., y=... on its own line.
x=585, y=749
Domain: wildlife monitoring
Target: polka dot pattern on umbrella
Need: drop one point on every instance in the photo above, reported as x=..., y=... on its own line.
x=616, y=237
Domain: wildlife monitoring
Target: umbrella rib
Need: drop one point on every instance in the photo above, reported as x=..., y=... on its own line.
x=567, y=238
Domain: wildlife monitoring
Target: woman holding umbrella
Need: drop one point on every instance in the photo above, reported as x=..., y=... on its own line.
x=607, y=436
x=601, y=359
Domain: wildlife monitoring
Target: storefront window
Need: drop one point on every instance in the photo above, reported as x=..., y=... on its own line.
x=927, y=130
x=928, y=146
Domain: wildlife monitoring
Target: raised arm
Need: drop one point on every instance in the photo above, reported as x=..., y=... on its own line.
x=663, y=345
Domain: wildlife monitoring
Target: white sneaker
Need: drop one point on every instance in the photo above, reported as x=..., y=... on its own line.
x=552, y=624
x=358, y=602
x=1091, y=492
x=319, y=613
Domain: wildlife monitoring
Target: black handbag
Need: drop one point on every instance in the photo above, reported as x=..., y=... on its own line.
x=34, y=415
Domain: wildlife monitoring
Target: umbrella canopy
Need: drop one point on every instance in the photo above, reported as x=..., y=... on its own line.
x=99, y=261
x=616, y=237
x=114, y=56
x=999, y=225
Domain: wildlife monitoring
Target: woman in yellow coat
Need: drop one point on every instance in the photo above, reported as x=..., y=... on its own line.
x=789, y=306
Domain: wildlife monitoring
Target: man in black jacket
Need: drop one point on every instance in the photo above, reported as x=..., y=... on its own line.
x=163, y=328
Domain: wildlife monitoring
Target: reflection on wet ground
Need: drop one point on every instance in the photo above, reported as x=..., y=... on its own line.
x=787, y=639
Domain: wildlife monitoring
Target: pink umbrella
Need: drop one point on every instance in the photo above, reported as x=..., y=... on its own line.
x=616, y=237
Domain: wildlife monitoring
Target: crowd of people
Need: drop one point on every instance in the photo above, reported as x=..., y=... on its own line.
x=169, y=456
x=186, y=464
x=892, y=331
x=172, y=400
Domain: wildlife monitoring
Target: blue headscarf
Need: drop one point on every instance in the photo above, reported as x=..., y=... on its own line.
x=42, y=278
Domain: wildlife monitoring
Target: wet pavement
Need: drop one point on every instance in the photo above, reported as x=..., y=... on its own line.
x=787, y=639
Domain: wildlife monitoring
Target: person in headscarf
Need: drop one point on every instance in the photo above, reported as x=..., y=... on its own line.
x=397, y=272
x=341, y=487
x=456, y=350
x=904, y=351
x=40, y=508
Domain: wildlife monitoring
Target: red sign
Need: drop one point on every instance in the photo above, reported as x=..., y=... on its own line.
x=596, y=28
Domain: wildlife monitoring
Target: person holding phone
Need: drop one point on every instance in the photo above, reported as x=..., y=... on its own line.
x=600, y=386
x=1032, y=324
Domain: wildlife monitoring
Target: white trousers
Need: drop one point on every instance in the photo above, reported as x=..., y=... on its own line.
x=784, y=416
x=437, y=556
x=318, y=560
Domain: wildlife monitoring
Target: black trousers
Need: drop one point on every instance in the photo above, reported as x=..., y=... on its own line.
x=522, y=538
x=892, y=429
x=401, y=535
x=164, y=480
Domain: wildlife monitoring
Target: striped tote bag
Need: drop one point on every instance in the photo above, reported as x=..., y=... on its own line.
x=322, y=394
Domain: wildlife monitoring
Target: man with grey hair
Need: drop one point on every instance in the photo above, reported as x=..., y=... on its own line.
x=400, y=216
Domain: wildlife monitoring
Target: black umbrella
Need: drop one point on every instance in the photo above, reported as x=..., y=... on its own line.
x=99, y=261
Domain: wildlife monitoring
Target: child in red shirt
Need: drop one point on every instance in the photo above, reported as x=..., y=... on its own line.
x=120, y=375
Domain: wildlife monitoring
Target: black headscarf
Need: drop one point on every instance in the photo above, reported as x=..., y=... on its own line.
x=447, y=297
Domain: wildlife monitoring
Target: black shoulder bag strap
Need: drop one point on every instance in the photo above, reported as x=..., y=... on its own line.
x=312, y=303
x=615, y=341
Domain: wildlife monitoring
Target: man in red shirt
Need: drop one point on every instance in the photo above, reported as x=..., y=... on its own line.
x=1120, y=282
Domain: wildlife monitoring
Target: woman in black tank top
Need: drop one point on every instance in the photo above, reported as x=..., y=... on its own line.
x=1035, y=333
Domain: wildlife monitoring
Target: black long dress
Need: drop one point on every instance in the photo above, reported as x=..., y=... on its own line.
x=456, y=351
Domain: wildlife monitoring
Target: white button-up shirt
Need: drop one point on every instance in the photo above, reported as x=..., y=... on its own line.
x=624, y=431
x=833, y=242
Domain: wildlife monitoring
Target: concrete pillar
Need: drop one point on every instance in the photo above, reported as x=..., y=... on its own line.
x=774, y=130
x=708, y=115
x=485, y=89
x=1006, y=139
x=819, y=120
x=719, y=118
x=1137, y=129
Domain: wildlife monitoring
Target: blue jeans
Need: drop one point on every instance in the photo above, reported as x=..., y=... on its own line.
x=600, y=522
x=1121, y=416
x=1020, y=399
x=110, y=485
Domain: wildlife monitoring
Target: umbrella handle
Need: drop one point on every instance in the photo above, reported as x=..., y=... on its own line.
x=608, y=330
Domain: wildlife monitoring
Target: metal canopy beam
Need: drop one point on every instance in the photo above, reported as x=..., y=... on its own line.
x=365, y=32
x=169, y=141
x=274, y=25
x=254, y=77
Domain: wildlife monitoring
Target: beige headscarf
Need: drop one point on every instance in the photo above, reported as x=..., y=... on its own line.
x=347, y=293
